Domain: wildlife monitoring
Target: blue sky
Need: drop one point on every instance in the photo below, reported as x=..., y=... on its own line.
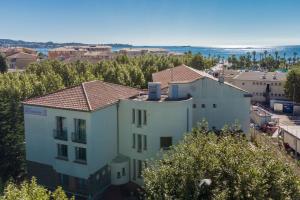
x=153, y=22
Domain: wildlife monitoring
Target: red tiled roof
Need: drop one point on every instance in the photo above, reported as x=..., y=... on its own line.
x=183, y=73
x=176, y=74
x=87, y=96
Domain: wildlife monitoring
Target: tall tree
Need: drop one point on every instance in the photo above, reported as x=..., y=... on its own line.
x=3, y=64
x=292, y=84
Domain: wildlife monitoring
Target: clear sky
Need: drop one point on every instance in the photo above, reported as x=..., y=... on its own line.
x=153, y=22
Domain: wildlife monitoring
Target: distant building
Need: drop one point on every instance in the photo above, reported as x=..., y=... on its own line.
x=19, y=61
x=142, y=51
x=263, y=86
x=90, y=136
x=18, y=58
x=92, y=53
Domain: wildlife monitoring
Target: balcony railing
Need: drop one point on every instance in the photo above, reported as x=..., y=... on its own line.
x=79, y=137
x=60, y=134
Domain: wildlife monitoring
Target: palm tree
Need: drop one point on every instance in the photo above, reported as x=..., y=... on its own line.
x=254, y=59
x=289, y=59
x=276, y=55
x=266, y=53
x=276, y=58
x=294, y=58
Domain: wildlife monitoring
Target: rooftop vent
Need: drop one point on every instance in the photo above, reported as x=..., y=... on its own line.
x=154, y=91
x=274, y=77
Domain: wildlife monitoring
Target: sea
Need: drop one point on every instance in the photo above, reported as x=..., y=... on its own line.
x=288, y=51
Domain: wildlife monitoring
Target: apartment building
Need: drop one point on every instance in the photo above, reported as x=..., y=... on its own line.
x=98, y=134
x=263, y=86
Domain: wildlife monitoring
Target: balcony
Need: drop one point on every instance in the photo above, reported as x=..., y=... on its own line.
x=79, y=137
x=60, y=134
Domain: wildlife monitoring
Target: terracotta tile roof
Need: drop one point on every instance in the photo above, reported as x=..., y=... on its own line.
x=176, y=74
x=87, y=96
x=184, y=74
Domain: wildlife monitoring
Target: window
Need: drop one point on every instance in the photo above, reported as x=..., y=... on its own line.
x=139, y=118
x=140, y=168
x=275, y=84
x=62, y=151
x=59, y=132
x=279, y=95
x=264, y=83
x=133, y=140
x=118, y=175
x=271, y=94
x=194, y=106
x=133, y=116
x=275, y=95
x=63, y=180
x=243, y=83
x=139, y=143
x=165, y=142
x=81, y=184
x=214, y=105
x=202, y=105
x=80, y=131
x=123, y=171
x=260, y=83
x=134, y=169
x=145, y=117
x=145, y=142
x=80, y=154
x=253, y=83
x=271, y=83
x=60, y=123
x=279, y=84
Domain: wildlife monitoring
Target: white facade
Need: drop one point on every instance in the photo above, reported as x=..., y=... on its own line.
x=217, y=103
x=163, y=119
x=124, y=135
x=41, y=146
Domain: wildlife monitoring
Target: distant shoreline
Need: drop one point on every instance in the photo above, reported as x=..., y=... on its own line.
x=222, y=51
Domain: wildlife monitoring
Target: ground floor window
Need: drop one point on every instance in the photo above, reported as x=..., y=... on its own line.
x=81, y=184
x=134, y=169
x=140, y=168
x=63, y=180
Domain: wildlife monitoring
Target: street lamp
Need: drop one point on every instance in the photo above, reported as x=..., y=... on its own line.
x=294, y=99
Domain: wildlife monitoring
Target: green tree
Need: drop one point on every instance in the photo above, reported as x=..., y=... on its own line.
x=292, y=84
x=3, y=65
x=236, y=169
x=32, y=191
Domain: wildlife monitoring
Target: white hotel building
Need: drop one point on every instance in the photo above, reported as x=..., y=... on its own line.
x=98, y=134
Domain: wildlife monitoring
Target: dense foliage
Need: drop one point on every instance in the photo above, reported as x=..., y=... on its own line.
x=292, y=85
x=32, y=191
x=48, y=76
x=237, y=170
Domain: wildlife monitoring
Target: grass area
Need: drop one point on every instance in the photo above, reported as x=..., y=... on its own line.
x=275, y=145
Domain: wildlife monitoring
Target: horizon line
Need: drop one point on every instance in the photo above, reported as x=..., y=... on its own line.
x=230, y=46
